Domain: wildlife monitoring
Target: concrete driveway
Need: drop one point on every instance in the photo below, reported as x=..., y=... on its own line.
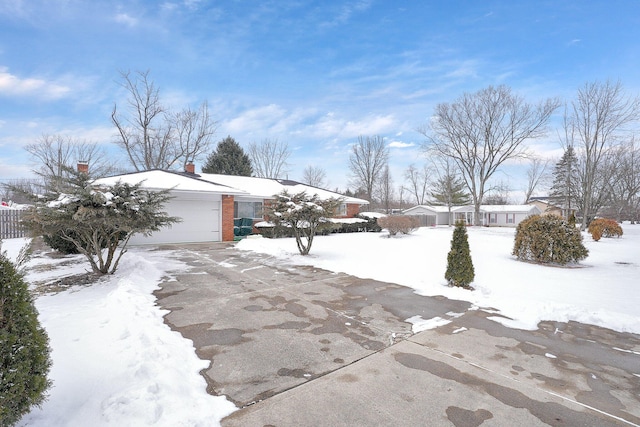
x=297, y=346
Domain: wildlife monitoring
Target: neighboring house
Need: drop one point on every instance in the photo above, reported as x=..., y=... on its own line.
x=495, y=215
x=491, y=215
x=430, y=215
x=209, y=203
x=548, y=208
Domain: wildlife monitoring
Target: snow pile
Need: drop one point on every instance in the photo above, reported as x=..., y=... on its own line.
x=115, y=362
x=603, y=291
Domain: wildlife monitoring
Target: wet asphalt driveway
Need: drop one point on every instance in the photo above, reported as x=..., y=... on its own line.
x=303, y=346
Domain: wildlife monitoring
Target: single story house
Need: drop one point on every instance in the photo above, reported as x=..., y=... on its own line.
x=209, y=203
x=200, y=204
x=258, y=190
x=491, y=215
x=430, y=215
x=495, y=215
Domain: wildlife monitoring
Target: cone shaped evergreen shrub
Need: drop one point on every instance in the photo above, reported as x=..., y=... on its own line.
x=24, y=348
x=460, y=270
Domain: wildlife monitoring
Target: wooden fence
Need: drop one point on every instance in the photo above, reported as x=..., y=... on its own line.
x=10, y=226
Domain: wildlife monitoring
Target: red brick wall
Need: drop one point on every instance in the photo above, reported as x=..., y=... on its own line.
x=352, y=209
x=227, y=218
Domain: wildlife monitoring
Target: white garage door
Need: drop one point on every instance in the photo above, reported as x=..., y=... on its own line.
x=200, y=221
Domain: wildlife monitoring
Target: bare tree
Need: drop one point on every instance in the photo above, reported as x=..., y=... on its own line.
x=152, y=136
x=481, y=131
x=595, y=122
x=53, y=155
x=624, y=187
x=194, y=131
x=498, y=194
x=368, y=158
x=418, y=182
x=314, y=176
x=269, y=158
x=536, y=175
x=385, y=189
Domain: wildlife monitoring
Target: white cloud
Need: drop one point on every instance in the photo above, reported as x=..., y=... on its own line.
x=12, y=85
x=126, y=19
x=400, y=144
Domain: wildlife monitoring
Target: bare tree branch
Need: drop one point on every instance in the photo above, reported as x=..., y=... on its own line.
x=595, y=123
x=368, y=158
x=152, y=136
x=536, y=174
x=481, y=131
x=53, y=155
x=315, y=176
x=269, y=158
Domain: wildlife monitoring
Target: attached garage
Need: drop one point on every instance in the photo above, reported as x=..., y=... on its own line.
x=201, y=219
x=198, y=203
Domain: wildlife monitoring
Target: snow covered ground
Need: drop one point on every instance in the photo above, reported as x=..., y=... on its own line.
x=604, y=290
x=115, y=362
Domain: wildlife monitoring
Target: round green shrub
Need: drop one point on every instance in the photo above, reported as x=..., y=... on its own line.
x=24, y=348
x=460, y=270
x=548, y=239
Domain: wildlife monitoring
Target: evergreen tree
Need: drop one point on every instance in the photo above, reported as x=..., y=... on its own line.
x=303, y=214
x=24, y=348
x=228, y=159
x=450, y=190
x=99, y=220
x=460, y=270
x=565, y=188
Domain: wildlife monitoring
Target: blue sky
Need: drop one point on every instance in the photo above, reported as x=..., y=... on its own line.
x=313, y=74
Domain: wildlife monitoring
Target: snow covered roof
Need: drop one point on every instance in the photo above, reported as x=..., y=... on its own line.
x=266, y=188
x=162, y=180
x=435, y=209
x=263, y=188
x=498, y=208
x=372, y=214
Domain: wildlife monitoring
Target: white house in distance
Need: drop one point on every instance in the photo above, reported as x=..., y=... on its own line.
x=491, y=215
x=209, y=203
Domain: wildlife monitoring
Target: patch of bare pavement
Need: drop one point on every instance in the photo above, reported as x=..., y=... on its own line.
x=299, y=346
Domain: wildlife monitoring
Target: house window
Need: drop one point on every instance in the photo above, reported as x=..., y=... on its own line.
x=342, y=210
x=511, y=218
x=247, y=210
x=493, y=218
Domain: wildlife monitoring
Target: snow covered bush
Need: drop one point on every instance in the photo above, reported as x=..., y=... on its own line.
x=603, y=227
x=548, y=239
x=372, y=223
x=99, y=221
x=302, y=213
x=405, y=224
x=24, y=348
x=460, y=270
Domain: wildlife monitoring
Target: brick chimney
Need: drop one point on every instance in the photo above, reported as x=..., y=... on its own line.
x=190, y=168
x=83, y=166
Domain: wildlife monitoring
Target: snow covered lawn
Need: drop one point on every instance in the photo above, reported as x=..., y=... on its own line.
x=115, y=362
x=604, y=290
